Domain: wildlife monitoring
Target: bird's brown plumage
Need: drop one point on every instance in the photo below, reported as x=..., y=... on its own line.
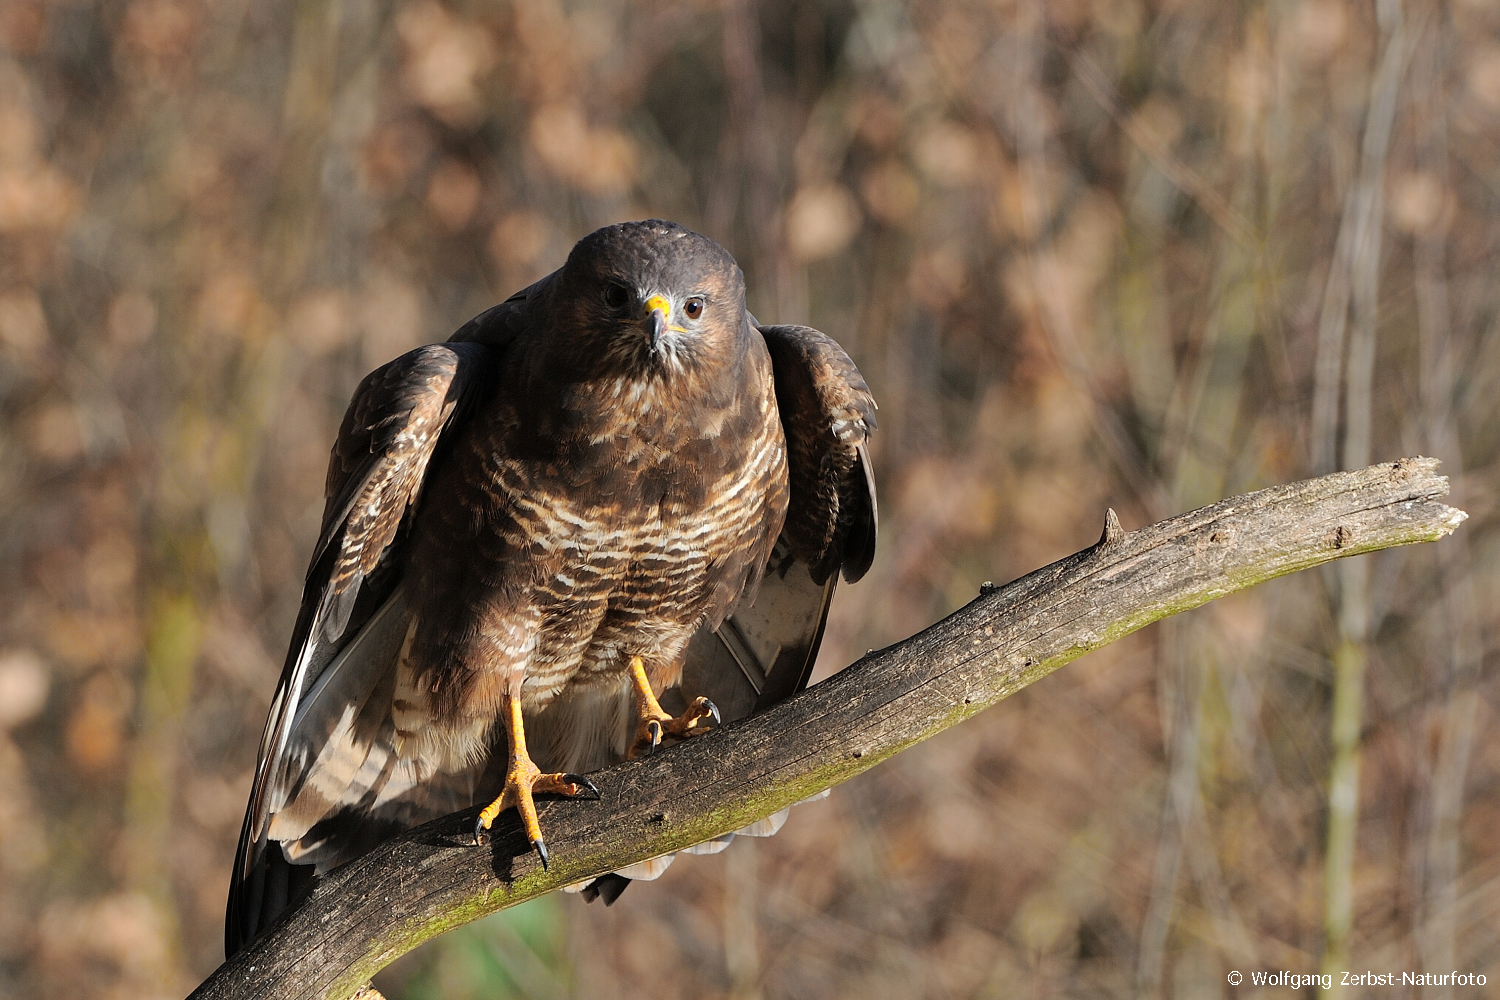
x=561, y=486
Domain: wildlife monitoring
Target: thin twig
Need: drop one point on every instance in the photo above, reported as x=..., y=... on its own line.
x=1051, y=293
x=1457, y=654
x=1354, y=615
x=1183, y=177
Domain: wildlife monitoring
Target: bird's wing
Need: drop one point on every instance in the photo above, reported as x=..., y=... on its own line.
x=498, y=325
x=316, y=750
x=765, y=651
x=828, y=415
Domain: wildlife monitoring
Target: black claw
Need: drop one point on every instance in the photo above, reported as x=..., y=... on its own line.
x=654, y=729
x=541, y=849
x=578, y=779
x=478, y=831
x=714, y=711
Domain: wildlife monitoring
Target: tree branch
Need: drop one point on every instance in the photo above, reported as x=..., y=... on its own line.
x=366, y=914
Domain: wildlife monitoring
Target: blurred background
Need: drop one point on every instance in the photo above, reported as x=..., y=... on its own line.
x=1139, y=253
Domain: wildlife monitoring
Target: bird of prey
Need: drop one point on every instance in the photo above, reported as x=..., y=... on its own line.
x=611, y=490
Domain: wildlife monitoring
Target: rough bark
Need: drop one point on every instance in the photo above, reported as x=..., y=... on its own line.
x=363, y=916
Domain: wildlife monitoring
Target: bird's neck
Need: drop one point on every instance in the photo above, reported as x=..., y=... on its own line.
x=660, y=402
x=659, y=405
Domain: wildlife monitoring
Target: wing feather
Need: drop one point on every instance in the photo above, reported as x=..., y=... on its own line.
x=828, y=415
x=389, y=436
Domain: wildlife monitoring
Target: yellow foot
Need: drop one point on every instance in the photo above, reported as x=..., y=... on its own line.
x=656, y=723
x=522, y=781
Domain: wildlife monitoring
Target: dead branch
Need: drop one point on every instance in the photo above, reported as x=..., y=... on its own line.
x=366, y=914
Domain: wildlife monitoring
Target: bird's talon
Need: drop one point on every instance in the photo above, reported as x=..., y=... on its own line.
x=688, y=723
x=655, y=723
x=522, y=783
x=584, y=784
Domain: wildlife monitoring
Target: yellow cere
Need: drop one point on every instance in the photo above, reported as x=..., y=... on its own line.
x=656, y=302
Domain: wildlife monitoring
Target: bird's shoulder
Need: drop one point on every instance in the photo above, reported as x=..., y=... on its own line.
x=504, y=323
x=828, y=415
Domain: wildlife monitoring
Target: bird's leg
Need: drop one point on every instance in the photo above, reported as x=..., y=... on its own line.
x=523, y=779
x=654, y=720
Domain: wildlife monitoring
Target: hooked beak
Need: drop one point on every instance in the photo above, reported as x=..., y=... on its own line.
x=657, y=311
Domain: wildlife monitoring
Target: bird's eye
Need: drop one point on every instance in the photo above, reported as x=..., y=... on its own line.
x=616, y=295
x=693, y=308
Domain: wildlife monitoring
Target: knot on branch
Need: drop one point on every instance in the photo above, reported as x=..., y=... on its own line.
x=1112, y=530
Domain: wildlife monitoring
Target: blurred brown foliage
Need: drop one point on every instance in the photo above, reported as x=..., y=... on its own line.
x=1130, y=252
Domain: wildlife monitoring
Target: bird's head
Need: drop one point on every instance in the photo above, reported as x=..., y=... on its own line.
x=652, y=298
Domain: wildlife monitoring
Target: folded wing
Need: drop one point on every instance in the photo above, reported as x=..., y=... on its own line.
x=321, y=746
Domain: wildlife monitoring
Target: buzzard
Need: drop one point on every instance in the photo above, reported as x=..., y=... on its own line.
x=614, y=489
